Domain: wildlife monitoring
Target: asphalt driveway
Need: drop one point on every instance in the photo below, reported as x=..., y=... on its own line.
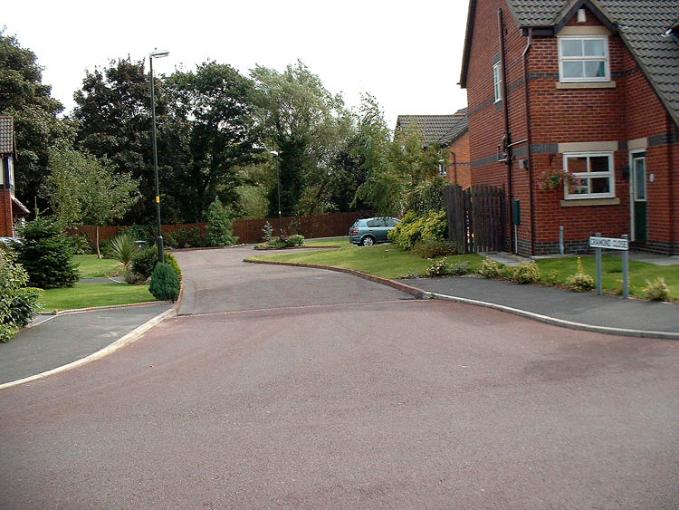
x=292, y=388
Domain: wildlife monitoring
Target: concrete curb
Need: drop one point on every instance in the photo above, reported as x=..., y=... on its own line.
x=103, y=307
x=129, y=338
x=413, y=291
x=664, y=335
x=421, y=294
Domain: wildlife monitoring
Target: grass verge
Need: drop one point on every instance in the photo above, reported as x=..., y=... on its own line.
x=556, y=271
x=384, y=260
x=85, y=295
x=92, y=267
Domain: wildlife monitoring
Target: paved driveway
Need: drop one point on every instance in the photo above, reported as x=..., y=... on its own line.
x=299, y=388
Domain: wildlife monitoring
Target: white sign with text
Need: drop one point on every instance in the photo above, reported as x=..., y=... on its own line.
x=609, y=243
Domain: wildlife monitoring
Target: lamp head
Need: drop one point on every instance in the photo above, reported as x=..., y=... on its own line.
x=159, y=54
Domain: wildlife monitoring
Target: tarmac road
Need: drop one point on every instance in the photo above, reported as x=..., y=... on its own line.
x=288, y=387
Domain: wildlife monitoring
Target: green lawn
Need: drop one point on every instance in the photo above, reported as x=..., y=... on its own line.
x=328, y=242
x=559, y=269
x=92, y=267
x=85, y=295
x=384, y=260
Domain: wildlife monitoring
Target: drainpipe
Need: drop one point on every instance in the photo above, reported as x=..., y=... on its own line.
x=505, y=107
x=671, y=129
x=529, y=141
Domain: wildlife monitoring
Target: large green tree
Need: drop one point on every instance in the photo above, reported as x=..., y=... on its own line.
x=307, y=125
x=215, y=103
x=35, y=112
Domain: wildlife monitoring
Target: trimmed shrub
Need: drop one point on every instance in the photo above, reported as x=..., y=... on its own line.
x=657, y=290
x=491, y=269
x=431, y=249
x=123, y=249
x=219, y=225
x=267, y=232
x=133, y=278
x=437, y=268
x=164, y=283
x=45, y=253
x=431, y=226
x=580, y=281
x=144, y=261
x=18, y=303
x=526, y=272
x=169, y=259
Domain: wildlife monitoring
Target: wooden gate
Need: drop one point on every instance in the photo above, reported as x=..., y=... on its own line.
x=476, y=217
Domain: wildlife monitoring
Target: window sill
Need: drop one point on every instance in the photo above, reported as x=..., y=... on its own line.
x=589, y=202
x=586, y=85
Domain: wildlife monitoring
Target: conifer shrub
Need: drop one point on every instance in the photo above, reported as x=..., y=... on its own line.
x=219, y=225
x=164, y=283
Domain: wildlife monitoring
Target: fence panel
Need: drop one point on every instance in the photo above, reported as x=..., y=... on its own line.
x=476, y=217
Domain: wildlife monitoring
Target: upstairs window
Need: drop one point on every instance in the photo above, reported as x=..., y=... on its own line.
x=589, y=175
x=584, y=59
x=497, y=82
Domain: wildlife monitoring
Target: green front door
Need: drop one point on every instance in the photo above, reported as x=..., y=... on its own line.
x=639, y=204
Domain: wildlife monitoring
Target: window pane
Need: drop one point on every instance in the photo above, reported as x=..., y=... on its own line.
x=601, y=185
x=595, y=69
x=578, y=186
x=595, y=48
x=571, y=47
x=573, y=70
x=577, y=165
x=599, y=164
x=640, y=179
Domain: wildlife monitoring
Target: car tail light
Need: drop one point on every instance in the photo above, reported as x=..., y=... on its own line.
x=353, y=231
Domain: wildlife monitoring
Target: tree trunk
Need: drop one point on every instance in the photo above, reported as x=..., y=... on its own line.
x=98, y=250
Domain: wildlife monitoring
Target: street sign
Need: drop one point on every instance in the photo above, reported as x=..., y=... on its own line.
x=609, y=243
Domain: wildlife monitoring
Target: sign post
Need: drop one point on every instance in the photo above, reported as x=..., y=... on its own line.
x=611, y=243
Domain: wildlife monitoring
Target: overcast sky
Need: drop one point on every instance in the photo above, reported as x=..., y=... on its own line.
x=406, y=53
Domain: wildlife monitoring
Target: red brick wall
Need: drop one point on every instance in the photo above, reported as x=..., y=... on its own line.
x=459, y=169
x=6, y=217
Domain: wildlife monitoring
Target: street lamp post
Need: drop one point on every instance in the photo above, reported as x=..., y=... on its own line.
x=159, y=239
x=278, y=178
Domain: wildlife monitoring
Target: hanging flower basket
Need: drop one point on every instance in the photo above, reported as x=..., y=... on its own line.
x=553, y=179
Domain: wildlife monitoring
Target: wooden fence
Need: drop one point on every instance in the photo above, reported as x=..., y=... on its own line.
x=476, y=217
x=250, y=231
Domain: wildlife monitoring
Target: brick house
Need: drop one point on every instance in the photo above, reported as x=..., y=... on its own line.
x=10, y=208
x=450, y=133
x=574, y=110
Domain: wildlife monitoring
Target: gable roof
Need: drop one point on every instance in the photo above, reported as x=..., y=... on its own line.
x=6, y=135
x=439, y=129
x=642, y=24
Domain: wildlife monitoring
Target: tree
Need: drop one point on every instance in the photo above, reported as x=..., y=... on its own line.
x=82, y=188
x=303, y=121
x=216, y=103
x=114, y=115
x=29, y=101
x=219, y=226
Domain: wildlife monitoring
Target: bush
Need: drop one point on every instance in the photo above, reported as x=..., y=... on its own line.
x=144, y=261
x=133, y=278
x=219, y=226
x=459, y=269
x=164, y=283
x=45, y=253
x=79, y=244
x=169, y=259
x=526, y=272
x=427, y=196
x=580, y=281
x=267, y=232
x=123, y=248
x=431, y=226
x=189, y=238
x=431, y=249
x=18, y=303
x=657, y=290
x=491, y=269
x=437, y=268
x=294, y=240
x=147, y=233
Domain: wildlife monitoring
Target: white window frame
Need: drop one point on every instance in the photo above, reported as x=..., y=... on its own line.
x=606, y=58
x=2, y=171
x=610, y=174
x=497, y=81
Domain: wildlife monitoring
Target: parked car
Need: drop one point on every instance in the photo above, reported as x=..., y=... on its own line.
x=369, y=231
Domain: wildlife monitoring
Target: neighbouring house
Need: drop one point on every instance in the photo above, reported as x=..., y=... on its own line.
x=11, y=209
x=449, y=132
x=574, y=110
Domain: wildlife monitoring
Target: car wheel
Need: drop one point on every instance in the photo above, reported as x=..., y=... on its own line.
x=367, y=241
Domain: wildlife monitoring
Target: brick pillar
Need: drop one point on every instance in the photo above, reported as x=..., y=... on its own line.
x=6, y=217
